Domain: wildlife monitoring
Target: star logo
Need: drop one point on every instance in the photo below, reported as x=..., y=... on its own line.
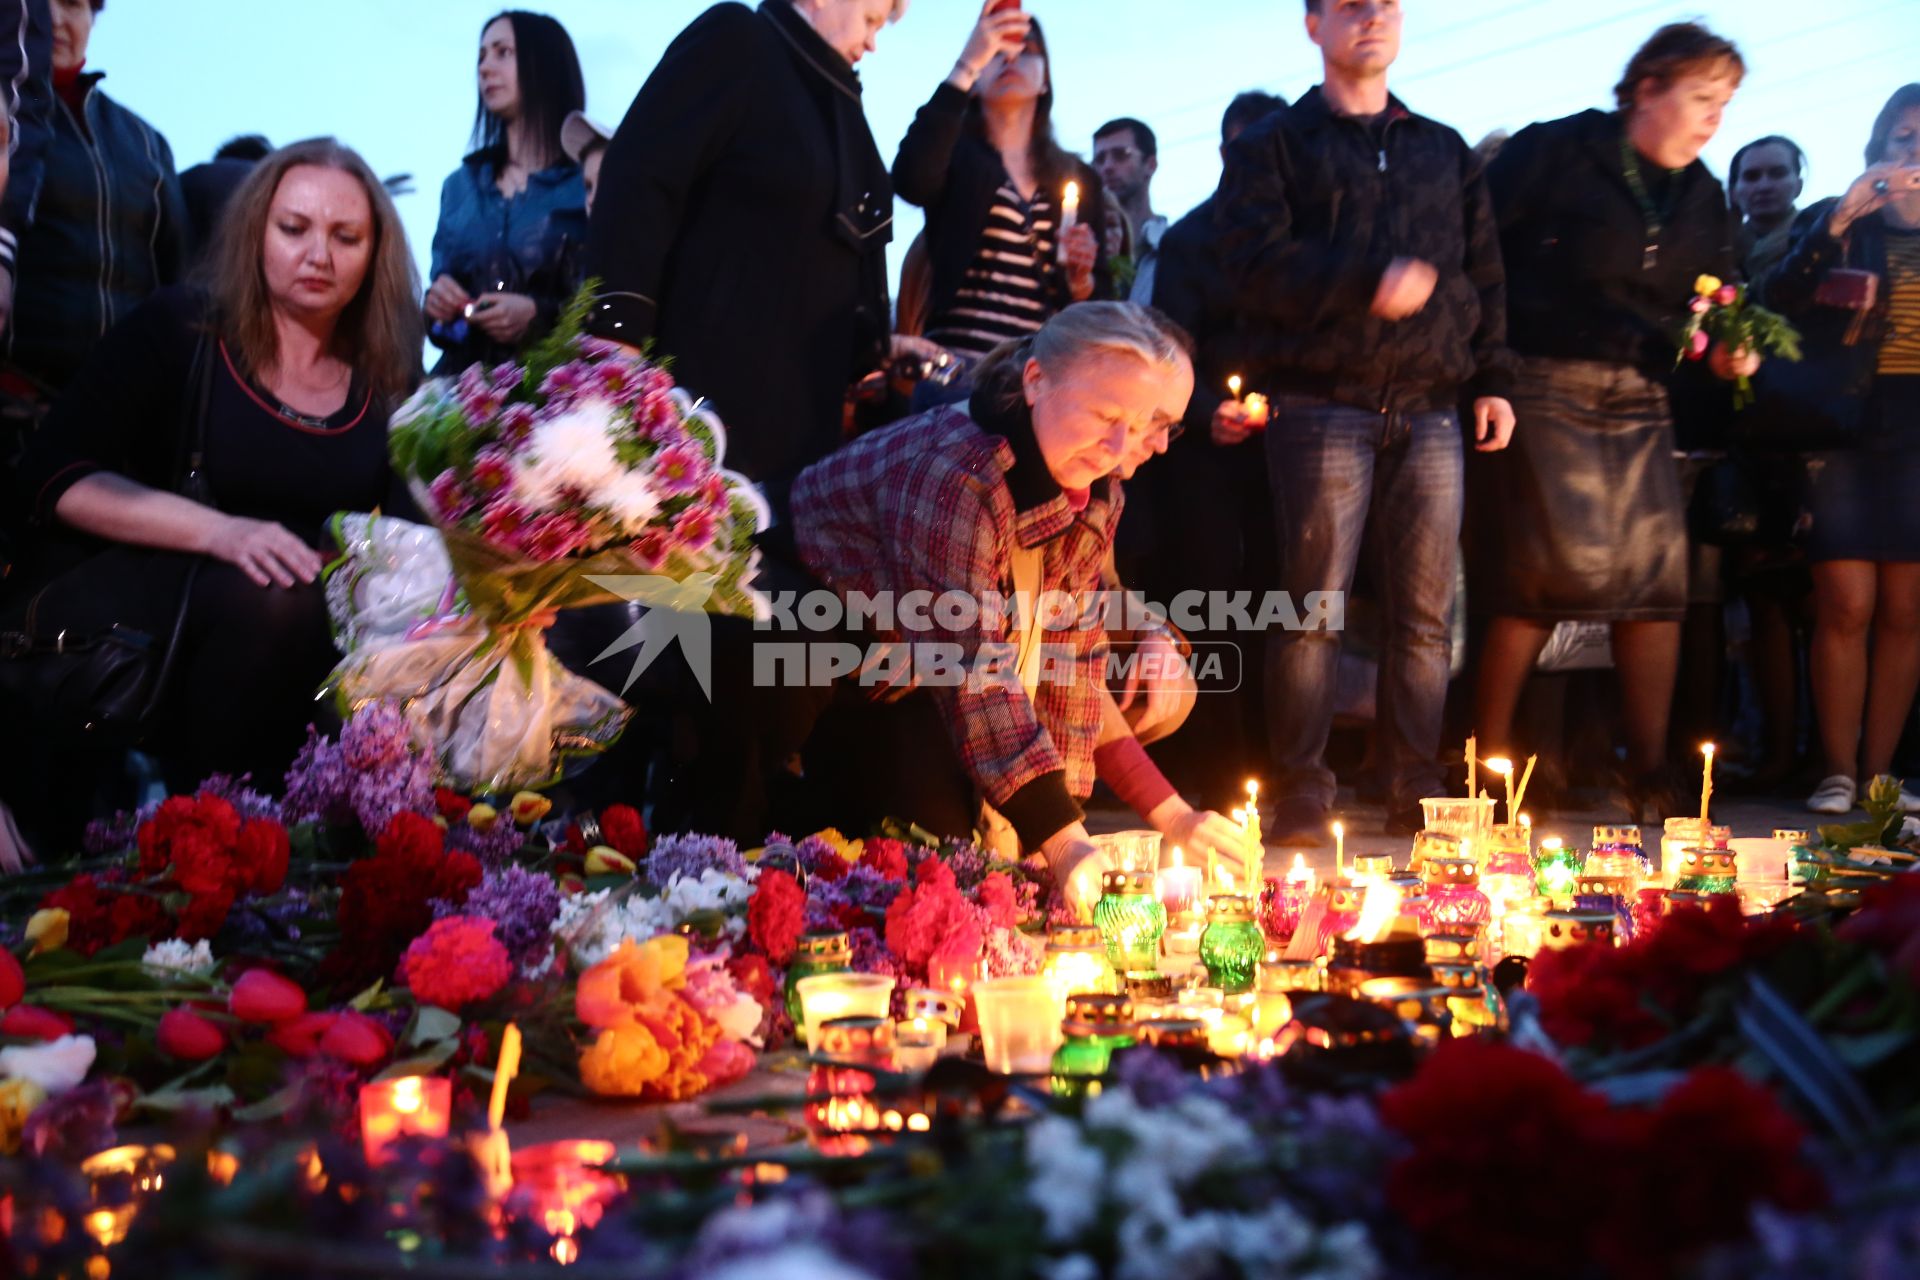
x=675, y=610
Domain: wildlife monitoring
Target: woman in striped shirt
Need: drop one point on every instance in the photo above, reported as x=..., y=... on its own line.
x=981, y=159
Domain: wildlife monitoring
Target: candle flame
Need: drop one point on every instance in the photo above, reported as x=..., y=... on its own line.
x=1179, y=859
x=1226, y=878
x=1300, y=871
x=1552, y=844
x=1526, y=820
x=1339, y=830
x=1233, y=386
x=1499, y=765
x=407, y=1095
x=1706, y=750
x=1377, y=913
x=1073, y=195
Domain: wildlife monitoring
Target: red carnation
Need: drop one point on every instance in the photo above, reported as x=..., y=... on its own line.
x=101, y=913
x=933, y=870
x=452, y=805
x=186, y=824
x=410, y=837
x=1511, y=1164
x=1889, y=922
x=31, y=1022
x=1718, y=1145
x=752, y=976
x=261, y=850
x=456, y=962
x=204, y=914
x=998, y=899
x=776, y=914
x=186, y=1035
x=622, y=828
x=13, y=980
x=386, y=900
x=830, y=866
x=355, y=1039
x=933, y=919
x=262, y=995
x=888, y=857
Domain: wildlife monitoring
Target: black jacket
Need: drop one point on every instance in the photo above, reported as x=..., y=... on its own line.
x=1313, y=208
x=1190, y=286
x=1574, y=239
x=109, y=229
x=741, y=223
x=1814, y=251
x=953, y=174
x=206, y=190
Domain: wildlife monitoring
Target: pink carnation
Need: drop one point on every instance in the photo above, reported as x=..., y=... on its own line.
x=492, y=472
x=934, y=919
x=727, y=1061
x=1000, y=902
x=456, y=962
x=695, y=528
x=451, y=499
x=681, y=469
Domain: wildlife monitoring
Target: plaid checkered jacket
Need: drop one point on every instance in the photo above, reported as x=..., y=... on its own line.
x=926, y=505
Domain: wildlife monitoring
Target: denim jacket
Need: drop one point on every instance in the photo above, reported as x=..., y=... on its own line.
x=530, y=244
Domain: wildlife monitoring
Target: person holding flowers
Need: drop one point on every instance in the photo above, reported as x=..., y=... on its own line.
x=284, y=368
x=1852, y=276
x=1607, y=222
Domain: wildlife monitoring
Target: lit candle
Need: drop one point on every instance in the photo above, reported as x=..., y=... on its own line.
x=1472, y=767
x=1256, y=409
x=1300, y=872
x=1233, y=386
x=1069, y=215
x=1504, y=768
x=1339, y=850
x=412, y=1106
x=1179, y=885
x=1706, y=788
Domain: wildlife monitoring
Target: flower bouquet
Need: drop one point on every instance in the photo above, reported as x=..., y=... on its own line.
x=544, y=480
x=1726, y=314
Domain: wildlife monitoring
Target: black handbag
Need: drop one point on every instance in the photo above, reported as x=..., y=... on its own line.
x=93, y=651
x=1818, y=402
x=1724, y=510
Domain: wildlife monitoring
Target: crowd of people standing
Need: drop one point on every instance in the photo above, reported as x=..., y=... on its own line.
x=199, y=369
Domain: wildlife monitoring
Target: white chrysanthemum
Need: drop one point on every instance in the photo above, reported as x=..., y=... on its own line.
x=631, y=497
x=713, y=891
x=175, y=957
x=56, y=1066
x=794, y=1262
x=1066, y=1177
x=573, y=450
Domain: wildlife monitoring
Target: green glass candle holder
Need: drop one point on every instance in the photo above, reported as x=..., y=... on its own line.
x=1131, y=919
x=815, y=953
x=1233, y=946
x=1097, y=1026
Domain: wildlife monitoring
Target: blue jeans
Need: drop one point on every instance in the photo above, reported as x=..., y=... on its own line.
x=1345, y=477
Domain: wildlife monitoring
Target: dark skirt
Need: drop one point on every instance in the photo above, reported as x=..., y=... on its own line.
x=1581, y=516
x=1860, y=503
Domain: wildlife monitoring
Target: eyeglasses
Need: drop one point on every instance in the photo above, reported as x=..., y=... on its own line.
x=1119, y=155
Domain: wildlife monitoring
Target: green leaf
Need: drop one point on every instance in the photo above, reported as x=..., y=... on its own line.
x=271, y=1107
x=368, y=998
x=430, y=1023
x=424, y=1063
x=172, y=1102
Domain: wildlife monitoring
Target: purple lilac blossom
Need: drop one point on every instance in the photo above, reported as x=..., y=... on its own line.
x=493, y=847
x=522, y=904
x=689, y=855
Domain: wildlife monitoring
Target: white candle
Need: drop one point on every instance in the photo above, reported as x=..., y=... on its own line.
x=1706, y=791
x=1069, y=216
x=1339, y=849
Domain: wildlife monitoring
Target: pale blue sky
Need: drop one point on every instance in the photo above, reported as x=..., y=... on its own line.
x=394, y=78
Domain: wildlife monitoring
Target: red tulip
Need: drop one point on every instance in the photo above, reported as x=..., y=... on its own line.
x=30, y=1022
x=300, y=1037
x=264, y=996
x=13, y=980
x=185, y=1034
x=356, y=1039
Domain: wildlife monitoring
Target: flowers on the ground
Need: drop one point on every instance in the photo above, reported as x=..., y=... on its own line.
x=185, y=1034
x=652, y=1038
x=522, y=905
x=174, y=956
x=260, y=995
x=456, y=962
x=776, y=915
x=387, y=900
x=55, y=1066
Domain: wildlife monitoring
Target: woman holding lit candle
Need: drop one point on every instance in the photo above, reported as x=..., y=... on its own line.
x=1006, y=249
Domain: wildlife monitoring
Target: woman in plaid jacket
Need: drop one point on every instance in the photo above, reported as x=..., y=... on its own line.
x=1018, y=496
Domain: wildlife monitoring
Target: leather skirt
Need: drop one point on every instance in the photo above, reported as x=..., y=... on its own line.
x=1581, y=517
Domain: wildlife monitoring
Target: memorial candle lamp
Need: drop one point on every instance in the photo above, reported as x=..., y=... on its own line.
x=843, y=1117
x=1233, y=945
x=1621, y=840
x=1019, y=1029
x=409, y=1107
x=1153, y=995
x=1556, y=869
x=1174, y=1034
x=564, y=1189
x=957, y=975
x=1454, y=903
x=1706, y=871
x=1345, y=901
x=1574, y=928
x=1130, y=919
x=1095, y=1028
x=1433, y=844
x=1179, y=885
x=1456, y=946
x=1076, y=961
x=1452, y=816
x=1284, y=901
x=815, y=953
x=119, y=1180
x=920, y=1037
x=826, y=996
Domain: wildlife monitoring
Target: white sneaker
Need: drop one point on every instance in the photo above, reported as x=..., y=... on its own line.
x=1834, y=795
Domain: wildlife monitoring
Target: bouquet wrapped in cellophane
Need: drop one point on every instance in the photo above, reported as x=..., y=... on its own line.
x=583, y=462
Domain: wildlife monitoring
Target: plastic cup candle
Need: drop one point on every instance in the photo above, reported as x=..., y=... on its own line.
x=409, y=1107
x=918, y=1042
x=1179, y=886
x=825, y=996
x=1019, y=1024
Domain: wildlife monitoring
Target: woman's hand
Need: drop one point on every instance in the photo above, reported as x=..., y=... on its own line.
x=1729, y=365
x=266, y=552
x=996, y=33
x=1199, y=832
x=1081, y=253
x=1077, y=864
x=1164, y=681
x=1870, y=193
x=446, y=300
x=504, y=317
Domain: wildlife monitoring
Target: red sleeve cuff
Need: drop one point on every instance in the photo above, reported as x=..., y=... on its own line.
x=1124, y=766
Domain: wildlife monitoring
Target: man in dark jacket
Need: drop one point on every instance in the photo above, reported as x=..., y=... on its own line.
x=26, y=71
x=742, y=220
x=1366, y=264
x=1213, y=526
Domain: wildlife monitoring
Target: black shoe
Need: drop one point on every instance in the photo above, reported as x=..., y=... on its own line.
x=1407, y=820
x=1299, y=820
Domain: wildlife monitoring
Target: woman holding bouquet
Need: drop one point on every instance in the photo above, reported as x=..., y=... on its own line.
x=1606, y=220
x=1017, y=496
x=1852, y=276
x=280, y=374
